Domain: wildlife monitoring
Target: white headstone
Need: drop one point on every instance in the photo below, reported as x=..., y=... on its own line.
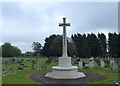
x=111, y=62
x=81, y=64
x=91, y=64
x=114, y=67
x=102, y=63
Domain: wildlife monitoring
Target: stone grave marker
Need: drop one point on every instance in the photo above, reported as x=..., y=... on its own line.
x=102, y=63
x=98, y=62
x=13, y=61
x=20, y=68
x=91, y=63
x=107, y=63
x=49, y=60
x=111, y=61
x=114, y=67
x=81, y=64
x=33, y=64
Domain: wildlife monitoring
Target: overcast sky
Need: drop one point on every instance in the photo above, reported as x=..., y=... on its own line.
x=25, y=22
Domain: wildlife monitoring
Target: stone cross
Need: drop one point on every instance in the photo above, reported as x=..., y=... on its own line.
x=64, y=24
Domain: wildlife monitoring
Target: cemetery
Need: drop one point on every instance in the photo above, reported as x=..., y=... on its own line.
x=17, y=73
x=65, y=69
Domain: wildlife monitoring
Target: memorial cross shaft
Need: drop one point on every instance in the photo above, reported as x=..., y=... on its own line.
x=64, y=24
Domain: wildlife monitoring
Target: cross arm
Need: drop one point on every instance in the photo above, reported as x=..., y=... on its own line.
x=67, y=24
x=61, y=24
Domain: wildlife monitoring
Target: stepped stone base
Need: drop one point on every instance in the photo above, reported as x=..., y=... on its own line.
x=65, y=73
x=65, y=70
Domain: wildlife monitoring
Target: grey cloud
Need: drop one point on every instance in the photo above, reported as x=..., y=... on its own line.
x=24, y=23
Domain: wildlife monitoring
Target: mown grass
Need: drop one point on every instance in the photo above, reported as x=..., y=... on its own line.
x=22, y=77
x=111, y=76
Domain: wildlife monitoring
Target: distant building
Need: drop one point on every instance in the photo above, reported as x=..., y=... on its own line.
x=27, y=54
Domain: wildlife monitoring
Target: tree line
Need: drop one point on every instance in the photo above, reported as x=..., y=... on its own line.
x=79, y=45
x=84, y=45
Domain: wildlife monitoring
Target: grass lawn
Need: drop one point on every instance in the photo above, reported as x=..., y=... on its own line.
x=111, y=77
x=22, y=77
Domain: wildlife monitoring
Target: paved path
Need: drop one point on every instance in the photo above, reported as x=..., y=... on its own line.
x=90, y=77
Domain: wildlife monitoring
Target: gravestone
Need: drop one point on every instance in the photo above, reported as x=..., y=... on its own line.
x=22, y=64
x=13, y=61
x=20, y=68
x=102, y=63
x=65, y=70
x=111, y=61
x=91, y=64
x=114, y=67
x=98, y=62
x=106, y=62
x=33, y=64
x=92, y=59
x=81, y=64
x=49, y=60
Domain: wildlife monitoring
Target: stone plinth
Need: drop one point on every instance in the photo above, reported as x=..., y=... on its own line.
x=65, y=62
x=65, y=70
x=65, y=73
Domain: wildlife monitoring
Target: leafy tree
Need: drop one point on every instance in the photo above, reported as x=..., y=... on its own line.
x=87, y=45
x=53, y=46
x=16, y=51
x=9, y=51
x=94, y=44
x=103, y=44
x=113, y=45
x=56, y=46
x=72, y=50
x=48, y=42
x=85, y=48
x=77, y=40
x=37, y=48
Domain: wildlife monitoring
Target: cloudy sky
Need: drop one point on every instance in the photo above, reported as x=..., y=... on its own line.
x=26, y=22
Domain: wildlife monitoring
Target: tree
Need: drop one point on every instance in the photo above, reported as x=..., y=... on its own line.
x=77, y=40
x=9, y=51
x=103, y=44
x=16, y=51
x=53, y=46
x=94, y=45
x=87, y=45
x=85, y=48
x=113, y=45
x=48, y=42
x=37, y=48
x=56, y=46
x=72, y=50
